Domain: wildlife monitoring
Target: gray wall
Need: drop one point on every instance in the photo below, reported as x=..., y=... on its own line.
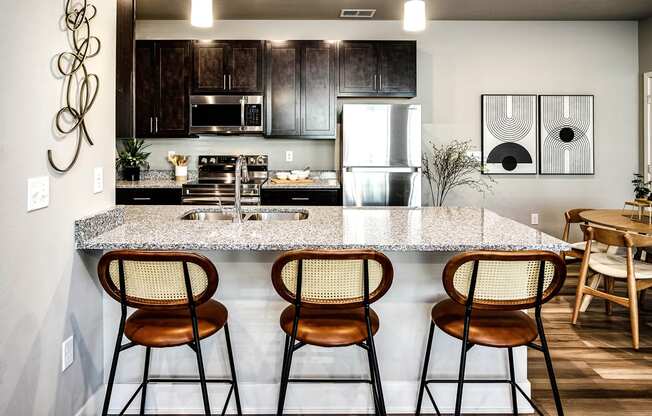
x=49, y=291
x=459, y=61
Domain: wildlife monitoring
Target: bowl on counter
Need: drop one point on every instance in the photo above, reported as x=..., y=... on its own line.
x=282, y=175
x=301, y=174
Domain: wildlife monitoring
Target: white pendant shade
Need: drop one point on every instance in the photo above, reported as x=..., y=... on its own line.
x=201, y=13
x=414, y=15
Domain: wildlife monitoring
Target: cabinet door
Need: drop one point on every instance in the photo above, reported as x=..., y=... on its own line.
x=173, y=108
x=318, y=109
x=245, y=67
x=283, y=88
x=397, y=68
x=358, y=69
x=146, y=88
x=210, y=66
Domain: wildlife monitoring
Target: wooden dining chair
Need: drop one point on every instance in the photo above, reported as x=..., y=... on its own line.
x=330, y=293
x=612, y=266
x=172, y=294
x=488, y=291
x=571, y=217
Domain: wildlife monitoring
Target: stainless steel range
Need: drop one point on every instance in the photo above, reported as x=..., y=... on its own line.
x=217, y=178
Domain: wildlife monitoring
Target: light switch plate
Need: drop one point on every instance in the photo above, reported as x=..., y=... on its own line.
x=38, y=193
x=534, y=219
x=98, y=180
x=289, y=155
x=67, y=353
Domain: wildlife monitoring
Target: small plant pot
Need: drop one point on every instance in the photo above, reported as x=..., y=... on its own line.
x=181, y=173
x=131, y=173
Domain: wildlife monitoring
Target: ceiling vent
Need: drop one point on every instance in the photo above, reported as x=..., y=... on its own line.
x=357, y=13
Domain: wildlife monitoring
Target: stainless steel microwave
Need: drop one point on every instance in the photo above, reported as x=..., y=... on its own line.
x=226, y=114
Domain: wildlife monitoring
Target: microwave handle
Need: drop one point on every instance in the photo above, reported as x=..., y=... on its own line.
x=242, y=111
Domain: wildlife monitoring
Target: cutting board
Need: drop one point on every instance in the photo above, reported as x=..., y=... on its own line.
x=277, y=181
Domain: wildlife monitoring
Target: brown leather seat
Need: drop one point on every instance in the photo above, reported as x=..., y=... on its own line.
x=488, y=328
x=173, y=327
x=329, y=327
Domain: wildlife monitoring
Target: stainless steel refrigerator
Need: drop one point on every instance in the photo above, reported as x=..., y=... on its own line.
x=381, y=155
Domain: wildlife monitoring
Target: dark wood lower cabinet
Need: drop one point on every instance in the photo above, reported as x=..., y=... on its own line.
x=148, y=196
x=324, y=197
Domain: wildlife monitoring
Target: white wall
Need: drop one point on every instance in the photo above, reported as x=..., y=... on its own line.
x=48, y=291
x=459, y=61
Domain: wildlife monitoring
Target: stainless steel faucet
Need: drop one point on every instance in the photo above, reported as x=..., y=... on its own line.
x=241, y=175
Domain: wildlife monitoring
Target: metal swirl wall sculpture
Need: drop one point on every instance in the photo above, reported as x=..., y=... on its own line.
x=80, y=86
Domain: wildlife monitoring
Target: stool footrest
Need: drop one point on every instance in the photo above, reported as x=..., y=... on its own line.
x=328, y=380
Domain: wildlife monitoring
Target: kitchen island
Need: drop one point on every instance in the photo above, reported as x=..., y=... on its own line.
x=417, y=241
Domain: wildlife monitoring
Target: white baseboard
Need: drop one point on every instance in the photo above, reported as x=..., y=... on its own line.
x=93, y=405
x=400, y=397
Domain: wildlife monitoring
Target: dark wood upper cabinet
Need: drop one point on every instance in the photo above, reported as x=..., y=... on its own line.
x=124, y=81
x=162, y=88
x=283, y=88
x=300, y=98
x=377, y=69
x=226, y=67
x=318, y=81
x=358, y=68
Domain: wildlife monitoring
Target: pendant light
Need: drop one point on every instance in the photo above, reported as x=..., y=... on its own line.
x=414, y=15
x=201, y=13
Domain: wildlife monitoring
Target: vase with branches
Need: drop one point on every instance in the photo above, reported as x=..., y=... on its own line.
x=451, y=166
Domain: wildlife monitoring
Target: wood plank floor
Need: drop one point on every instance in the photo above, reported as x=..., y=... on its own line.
x=597, y=370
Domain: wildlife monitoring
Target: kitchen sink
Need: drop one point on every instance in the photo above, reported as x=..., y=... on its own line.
x=199, y=215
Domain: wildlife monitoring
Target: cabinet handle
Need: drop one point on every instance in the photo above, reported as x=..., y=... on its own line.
x=229, y=82
x=156, y=124
x=375, y=85
x=141, y=199
x=224, y=82
x=151, y=124
x=300, y=199
x=380, y=82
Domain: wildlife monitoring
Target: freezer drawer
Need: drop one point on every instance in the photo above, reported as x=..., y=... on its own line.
x=382, y=188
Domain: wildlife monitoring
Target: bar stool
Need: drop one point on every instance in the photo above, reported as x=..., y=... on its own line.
x=172, y=293
x=330, y=292
x=488, y=291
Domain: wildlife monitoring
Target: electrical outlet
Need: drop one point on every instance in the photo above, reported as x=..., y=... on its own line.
x=67, y=353
x=171, y=153
x=289, y=155
x=38, y=193
x=98, y=180
x=534, y=219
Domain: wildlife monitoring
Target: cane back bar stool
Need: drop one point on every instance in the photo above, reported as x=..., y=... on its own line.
x=330, y=292
x=172, y=293
x=637, y=274
x=488, y=291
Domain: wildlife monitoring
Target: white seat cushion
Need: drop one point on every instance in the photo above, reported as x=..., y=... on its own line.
x=616, y=266
x=595, y=247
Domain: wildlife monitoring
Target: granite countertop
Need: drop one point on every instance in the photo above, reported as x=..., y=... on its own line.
x=387, y=229
x=318, y=183
x=149, y=183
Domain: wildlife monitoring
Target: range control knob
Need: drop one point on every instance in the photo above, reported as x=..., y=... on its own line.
x=203, y=160
x=212, y=160
x=261, y=160
x=251, y=160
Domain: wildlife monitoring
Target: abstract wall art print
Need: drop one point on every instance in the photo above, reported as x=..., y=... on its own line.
x=509, y=134
x=566, y=129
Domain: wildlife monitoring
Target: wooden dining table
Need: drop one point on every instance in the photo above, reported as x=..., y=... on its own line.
x=618, y=219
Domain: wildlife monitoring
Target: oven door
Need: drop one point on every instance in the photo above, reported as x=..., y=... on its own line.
x=225, y=114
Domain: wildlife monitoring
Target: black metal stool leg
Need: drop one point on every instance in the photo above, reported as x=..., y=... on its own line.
x=460, y=383
x=424, y=372
x=286, y=371
x=143, y=395
x=512, y=377
x=114, y=365
x=372, y=375
x=551, y=370
x=379, y=386
x=200, y=365
x=232, y=365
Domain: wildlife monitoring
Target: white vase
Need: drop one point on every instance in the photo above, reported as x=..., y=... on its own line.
x=181, y=173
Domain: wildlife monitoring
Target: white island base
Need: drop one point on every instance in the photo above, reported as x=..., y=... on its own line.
x=254, y=309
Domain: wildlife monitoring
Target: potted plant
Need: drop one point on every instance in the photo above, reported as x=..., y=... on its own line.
x=641, y=188
x=131, y=158
x=452, y=166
